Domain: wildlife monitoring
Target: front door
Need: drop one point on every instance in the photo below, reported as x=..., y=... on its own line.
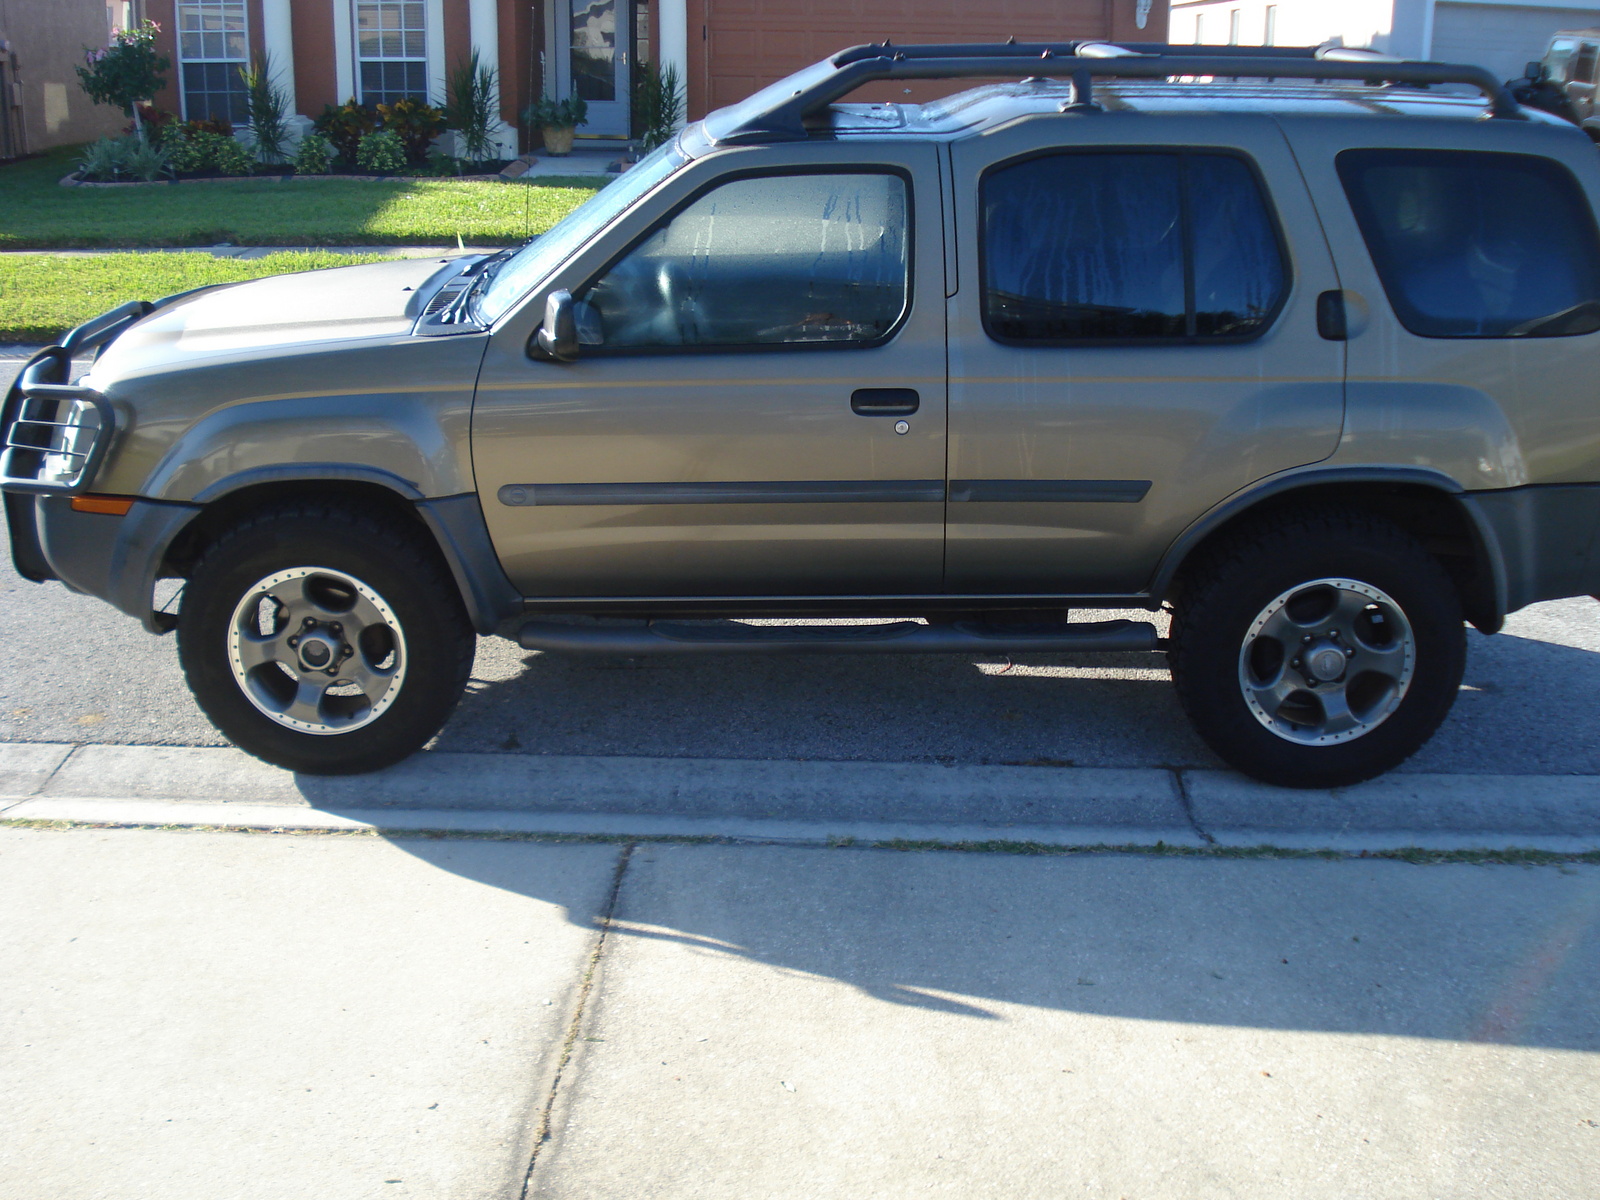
x=1134, y=340
x=592, y=41
x=761, y=408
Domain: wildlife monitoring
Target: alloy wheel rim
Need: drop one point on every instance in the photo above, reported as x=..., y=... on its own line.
x=316, y=650
x=1326, y=662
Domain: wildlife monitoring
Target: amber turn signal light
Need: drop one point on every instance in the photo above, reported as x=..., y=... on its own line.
x=115, y=506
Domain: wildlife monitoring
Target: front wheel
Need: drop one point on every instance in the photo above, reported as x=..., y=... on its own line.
x=323, y=640
x=1319, y=651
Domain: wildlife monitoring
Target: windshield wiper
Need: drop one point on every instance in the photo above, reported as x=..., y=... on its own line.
x=483, y=272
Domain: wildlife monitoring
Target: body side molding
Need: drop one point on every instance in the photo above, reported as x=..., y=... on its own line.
x=805, y=491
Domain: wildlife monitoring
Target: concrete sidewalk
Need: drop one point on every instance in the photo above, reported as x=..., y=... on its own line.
x=195, y=1016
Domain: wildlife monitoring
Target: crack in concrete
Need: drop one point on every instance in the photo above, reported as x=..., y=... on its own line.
x=541, y=1134
x=1181, y=790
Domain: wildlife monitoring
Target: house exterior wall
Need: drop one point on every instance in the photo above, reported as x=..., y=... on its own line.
x=738, y=46
x=44, y=41
x=316, y=82
x=1502, y=35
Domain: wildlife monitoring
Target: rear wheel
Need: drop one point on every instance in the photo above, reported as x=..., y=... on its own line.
x=1319, y=651
x=324, y=640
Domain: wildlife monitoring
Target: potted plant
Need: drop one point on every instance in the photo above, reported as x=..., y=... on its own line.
x=558, y=120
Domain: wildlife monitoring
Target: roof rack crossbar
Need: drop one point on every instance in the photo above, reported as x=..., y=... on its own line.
x=779, y=112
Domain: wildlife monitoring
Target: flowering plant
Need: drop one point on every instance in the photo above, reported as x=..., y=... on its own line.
x=127, y=71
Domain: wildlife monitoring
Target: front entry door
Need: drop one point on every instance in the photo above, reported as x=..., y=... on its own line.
x=1135, y=340
x=764, y=412
x=593, y=40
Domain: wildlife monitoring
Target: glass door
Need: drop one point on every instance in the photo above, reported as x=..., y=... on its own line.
x=595, y=56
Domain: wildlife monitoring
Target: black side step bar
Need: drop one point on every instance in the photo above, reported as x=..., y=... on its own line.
x=900, y=637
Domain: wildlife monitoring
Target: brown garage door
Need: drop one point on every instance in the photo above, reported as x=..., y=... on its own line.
x=738, y=46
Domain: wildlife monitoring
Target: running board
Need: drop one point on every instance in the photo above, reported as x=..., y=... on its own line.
x=900, y=637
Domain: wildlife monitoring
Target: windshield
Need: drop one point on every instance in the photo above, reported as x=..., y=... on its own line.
x=519, y=275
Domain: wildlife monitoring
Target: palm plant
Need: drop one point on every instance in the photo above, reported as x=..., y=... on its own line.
x=267, y=107
x=470, y=108
x=658, y=104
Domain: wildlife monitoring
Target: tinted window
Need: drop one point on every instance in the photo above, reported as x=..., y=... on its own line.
x=1238, y=267
x=789, y=260
x=1128, y=247
x=1477, y=244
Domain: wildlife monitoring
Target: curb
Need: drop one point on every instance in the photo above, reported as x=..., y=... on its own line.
x=801, y=802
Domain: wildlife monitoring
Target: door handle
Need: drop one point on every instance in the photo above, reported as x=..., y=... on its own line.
x=1332, y=321
x=884, y=402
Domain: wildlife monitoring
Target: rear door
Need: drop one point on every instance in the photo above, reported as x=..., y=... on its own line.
x=1134, y=340
x=763, y=413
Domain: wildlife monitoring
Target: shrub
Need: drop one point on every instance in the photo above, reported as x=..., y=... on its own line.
x=382, y=152
x=127, y=71
x=156, y=122
x=210, y=125
x=314, y=156
x=345, y=126
x=546, y=113
x=470, y=109
x=186, y=155
x=228, y=156
x=415, y=123
x=268, y=107
x=147, y=161
x=113, y=159
x=658, y=104
x=191, y=150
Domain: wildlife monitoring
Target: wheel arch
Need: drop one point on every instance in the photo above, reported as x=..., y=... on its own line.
x=1425, y=503
x=454, y=525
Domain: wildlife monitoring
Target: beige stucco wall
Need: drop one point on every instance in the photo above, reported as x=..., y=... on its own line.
x=46, y=39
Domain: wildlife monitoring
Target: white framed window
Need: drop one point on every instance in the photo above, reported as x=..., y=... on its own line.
x=1270, y=35
x=1233, y=27
x=391, y=50
x=213, y=43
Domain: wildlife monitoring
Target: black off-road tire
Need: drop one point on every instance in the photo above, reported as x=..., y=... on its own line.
x=397, y=563
x=1226, y=591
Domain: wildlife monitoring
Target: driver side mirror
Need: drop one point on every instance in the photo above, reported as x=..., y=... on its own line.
x=557, y=336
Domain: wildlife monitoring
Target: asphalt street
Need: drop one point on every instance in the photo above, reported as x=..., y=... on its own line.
x=75, y=670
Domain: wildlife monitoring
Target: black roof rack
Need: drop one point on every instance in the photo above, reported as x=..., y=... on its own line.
x=778, y=112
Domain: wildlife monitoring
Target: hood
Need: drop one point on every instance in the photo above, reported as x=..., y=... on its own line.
x=336, y=305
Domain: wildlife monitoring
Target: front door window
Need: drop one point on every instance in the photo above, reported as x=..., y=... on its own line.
x=594, y=49
x=789, y=260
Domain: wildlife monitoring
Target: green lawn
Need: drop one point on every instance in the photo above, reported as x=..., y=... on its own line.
x=36, y=213
x=42, y=295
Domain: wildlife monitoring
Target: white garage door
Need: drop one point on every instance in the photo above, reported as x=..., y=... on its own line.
x=1502, y=37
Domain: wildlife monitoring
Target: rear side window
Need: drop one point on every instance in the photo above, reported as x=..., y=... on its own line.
x=1164, y=246
x=1472, y=244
